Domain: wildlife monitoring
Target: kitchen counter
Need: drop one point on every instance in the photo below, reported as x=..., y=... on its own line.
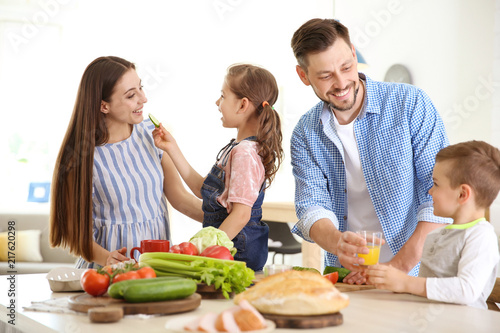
x=368, y=311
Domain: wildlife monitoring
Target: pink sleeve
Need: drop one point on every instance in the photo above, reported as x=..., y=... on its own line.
x=244, y=176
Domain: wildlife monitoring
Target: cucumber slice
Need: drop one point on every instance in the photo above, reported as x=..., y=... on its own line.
x=154, y=120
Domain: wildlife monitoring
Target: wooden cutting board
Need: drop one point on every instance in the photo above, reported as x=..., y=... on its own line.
x=319, y=321
x=84, y=302
x=345, y=287
x=209, y=292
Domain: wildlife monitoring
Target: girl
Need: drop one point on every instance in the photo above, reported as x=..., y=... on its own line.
x=109, y=179
x=233, y=191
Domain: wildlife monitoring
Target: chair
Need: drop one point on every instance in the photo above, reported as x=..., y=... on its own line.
x=279, y=231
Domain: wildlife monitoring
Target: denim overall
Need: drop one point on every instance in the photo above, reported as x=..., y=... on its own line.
x=251, y=242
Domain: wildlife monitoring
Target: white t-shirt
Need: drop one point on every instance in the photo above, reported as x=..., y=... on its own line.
x=360, y=211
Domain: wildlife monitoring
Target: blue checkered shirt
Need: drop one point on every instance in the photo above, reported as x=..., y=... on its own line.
x=398, y=133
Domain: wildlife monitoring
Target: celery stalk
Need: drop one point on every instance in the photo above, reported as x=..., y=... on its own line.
x=227, y=275
x=186, y=257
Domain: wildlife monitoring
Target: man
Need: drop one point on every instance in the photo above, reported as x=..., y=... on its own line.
x=363, y=157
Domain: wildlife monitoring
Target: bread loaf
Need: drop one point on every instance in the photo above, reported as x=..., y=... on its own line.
x=294, y=293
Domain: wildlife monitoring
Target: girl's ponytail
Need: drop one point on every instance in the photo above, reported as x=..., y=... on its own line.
x=269, y=138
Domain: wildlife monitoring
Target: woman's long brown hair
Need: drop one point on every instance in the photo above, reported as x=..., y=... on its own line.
x=71, y=223
x=259, y=86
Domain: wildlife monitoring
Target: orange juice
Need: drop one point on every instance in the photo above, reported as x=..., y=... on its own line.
x=372, y=257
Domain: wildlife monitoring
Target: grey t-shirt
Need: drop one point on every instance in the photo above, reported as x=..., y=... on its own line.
x=460, y=263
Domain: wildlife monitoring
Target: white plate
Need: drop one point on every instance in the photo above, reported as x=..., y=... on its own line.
x=177, y=325
x=65, y=279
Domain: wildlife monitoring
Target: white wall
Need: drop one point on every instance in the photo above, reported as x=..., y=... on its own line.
x=449, y=48
x=182, y=48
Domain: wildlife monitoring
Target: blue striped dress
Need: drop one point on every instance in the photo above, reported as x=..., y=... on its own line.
x=128, y=200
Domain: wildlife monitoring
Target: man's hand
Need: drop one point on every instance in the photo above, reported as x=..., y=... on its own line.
x=409, y=255
x=355, y=278
x=348, y=246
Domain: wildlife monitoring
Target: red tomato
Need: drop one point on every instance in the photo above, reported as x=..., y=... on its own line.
x=175, y=249
x=130, y=275
x=217, y=251
x=188, y=248
x=146, y=273
x=332, y=277
x=94, y=283
x=108, y=269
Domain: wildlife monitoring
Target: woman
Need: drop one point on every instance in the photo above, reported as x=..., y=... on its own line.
x=109, y=178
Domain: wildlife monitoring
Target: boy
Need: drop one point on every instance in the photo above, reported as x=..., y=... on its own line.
x=459, y=262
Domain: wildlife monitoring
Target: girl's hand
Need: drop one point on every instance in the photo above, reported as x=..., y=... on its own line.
x=387, y=277
x=163, y=139
x=117, y=256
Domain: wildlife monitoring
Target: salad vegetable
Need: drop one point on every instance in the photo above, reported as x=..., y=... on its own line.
x=212, y=236
x=188, y=248
x=343, y=272
x=310, y=269
x=95, y=282
x=154, y=120
x=226, y=275
x=217, y=251
x=332, y=277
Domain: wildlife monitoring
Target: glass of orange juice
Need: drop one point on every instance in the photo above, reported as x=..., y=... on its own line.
x=373, y=243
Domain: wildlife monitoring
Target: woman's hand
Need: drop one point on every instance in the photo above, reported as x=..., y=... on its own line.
x=117, y=256
x=163, y=139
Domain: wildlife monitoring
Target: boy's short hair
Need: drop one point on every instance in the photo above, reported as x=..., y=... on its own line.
x=477, y=164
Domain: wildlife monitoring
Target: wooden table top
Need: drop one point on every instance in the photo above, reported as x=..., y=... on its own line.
x=368, y=311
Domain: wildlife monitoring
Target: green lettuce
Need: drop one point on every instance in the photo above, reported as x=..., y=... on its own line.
x=212, y=236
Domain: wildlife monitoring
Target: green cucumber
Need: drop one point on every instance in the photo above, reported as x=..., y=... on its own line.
x=343, y=272
x=154, y=120
x=162, y=290
x=310, y=269
x=117, y=289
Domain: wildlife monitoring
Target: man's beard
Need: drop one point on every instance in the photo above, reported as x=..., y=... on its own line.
x=344, y=107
